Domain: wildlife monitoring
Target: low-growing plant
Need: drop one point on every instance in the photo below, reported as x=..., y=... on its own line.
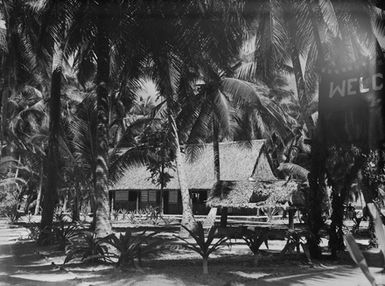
x=88, y=248
x=65, y=232
x=254, y=240
x=9, y=207
x=131, y=248
x=124, y=213
x=115, y=215
x=60, y=216
x=153, y=215
x=203, y=245
x=132, y=218
x=34, y=231
x=12, y=213
x=295, y=241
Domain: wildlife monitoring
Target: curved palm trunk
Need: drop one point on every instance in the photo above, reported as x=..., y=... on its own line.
x=316, y=176
x=75, y=206
x=167, y=92
x=37, y=207
x=187, y=214
x=50, y=189
x=217, y=168
x=102, y=221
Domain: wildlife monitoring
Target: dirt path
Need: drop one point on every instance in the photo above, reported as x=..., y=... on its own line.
x=21, y=263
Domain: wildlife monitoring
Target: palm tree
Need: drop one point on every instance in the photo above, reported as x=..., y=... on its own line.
x=100, y=17
x=172, y=51
x=17, y=55
x=54, y=20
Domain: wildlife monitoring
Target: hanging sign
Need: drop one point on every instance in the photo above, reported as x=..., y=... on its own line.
x=350, y=104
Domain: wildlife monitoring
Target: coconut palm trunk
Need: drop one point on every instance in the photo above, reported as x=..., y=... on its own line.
x=53, y=157
x=187, y=214
x=217, y=167
x=102, y=222
x=75, y=205
x=166, y=91
x=39, y=191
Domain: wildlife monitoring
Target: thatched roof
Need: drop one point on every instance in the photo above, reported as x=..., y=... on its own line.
x=251, y=194
x=238, y=161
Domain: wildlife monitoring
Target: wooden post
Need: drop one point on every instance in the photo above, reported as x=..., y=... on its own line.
x=291, y=217
x=223, y=217
x=137, y=200
x=161, y=202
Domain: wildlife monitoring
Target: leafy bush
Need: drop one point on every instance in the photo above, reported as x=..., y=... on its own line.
x=89, y=248
x=254, y=240
x=115, y=215
x=124, y=213
x=60, y=216
x=204, y=246
x=9, y=208
x=34, y=231
x=64, y=233
x=295, y=241
x=131, y=247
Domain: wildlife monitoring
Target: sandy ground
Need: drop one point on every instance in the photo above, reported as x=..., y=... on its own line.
x=23, y=263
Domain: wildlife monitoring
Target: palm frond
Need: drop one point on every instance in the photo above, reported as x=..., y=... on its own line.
x=294, y=170
x=329, y=16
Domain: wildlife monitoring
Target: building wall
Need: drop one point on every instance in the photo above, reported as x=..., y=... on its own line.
x=140, y=199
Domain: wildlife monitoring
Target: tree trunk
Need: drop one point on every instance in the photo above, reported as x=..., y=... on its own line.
x=102, y=222
x=217, y=167
x=291, y=218
x=50, y=190
x=38, y=199
x=187, y=215
x=161, y=198
x=205, y=265
x=65, y=202
x=335, y=232
x=315, y=198
x=4, y=101
x=75, y=206
x=166, y=91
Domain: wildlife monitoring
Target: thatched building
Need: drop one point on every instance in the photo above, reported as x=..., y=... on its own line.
x=239, y=161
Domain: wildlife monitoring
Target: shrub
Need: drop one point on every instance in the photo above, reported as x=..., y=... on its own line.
x=124, y=212
x=204, y=246
x=295, y=241
x=254, y=240
x=131, y=247
x=89, y=248
x=9, y=208
x=64, y=233
x=115, y=215
x=34, y=231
